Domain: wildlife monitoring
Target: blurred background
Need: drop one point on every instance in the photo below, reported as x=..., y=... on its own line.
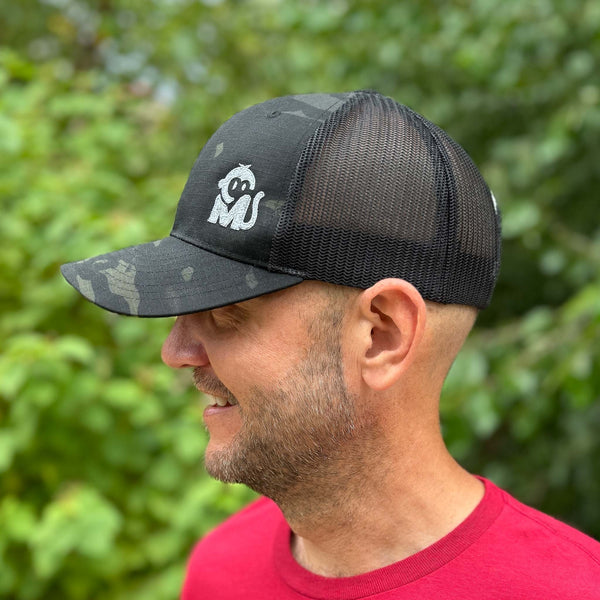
x=104, y=107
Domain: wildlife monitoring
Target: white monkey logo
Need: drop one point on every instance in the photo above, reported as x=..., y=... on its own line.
x=232, y=202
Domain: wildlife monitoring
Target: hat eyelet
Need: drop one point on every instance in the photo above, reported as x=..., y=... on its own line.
x=273, y=114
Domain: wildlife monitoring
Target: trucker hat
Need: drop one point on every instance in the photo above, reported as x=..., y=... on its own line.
x=346, y=188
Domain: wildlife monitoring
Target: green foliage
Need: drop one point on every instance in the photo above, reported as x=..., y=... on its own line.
x=103, y=108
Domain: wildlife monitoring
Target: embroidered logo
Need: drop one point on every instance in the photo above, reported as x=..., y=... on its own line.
x=233, y=201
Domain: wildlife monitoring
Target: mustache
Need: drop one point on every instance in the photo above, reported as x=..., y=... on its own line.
x=210, y=385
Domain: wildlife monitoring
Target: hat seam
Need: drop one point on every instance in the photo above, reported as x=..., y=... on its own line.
x=295, y=177
x=450, y=182
x=237, y=257
x=305, y=142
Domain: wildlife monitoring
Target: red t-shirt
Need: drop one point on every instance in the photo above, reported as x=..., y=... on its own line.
x=503, y=550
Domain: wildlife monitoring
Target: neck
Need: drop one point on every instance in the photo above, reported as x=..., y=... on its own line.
x=375, y=516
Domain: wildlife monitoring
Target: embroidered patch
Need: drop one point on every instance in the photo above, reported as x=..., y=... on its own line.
x=233, y=202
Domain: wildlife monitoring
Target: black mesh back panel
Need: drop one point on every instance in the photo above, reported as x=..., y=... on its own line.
x=381, y=192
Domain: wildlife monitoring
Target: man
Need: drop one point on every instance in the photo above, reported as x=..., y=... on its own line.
x=328, y=259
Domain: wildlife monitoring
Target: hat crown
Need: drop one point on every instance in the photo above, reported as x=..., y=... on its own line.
x=349, y=189
x=345, y=188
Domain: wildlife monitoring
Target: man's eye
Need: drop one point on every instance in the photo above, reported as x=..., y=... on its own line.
x=224, y=319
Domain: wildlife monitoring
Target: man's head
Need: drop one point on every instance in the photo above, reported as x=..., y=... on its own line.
x=327, y=261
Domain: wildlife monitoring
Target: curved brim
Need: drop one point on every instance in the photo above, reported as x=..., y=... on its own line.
x=169, y=277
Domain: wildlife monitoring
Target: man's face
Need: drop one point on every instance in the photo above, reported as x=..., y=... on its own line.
x=278, y=360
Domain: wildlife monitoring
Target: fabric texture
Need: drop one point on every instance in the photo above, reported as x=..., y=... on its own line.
x=504, y=550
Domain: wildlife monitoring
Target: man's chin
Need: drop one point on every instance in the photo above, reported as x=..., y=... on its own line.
x=220, y=464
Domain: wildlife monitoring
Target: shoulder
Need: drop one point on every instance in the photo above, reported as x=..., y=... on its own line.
x=537, y=551
x=545, y=528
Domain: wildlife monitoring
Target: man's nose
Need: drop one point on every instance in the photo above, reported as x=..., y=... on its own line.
x=183, y=347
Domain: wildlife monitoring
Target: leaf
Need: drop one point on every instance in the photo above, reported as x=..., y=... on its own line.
x=78, y=521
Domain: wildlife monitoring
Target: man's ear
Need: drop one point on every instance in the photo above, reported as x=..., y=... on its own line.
x=393, y=314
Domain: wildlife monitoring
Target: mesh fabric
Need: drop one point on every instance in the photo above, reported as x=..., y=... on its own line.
x=380, y=192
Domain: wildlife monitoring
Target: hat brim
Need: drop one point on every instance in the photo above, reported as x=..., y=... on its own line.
x=169, y=277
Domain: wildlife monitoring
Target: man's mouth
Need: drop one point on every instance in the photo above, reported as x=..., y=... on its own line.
x=218, y=401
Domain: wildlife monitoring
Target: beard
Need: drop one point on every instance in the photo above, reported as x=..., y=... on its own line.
x=304, y=438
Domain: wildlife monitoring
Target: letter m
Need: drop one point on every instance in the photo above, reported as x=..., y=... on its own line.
x=220, y=213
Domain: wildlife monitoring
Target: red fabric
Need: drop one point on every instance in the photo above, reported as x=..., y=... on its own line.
x=504, y=550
